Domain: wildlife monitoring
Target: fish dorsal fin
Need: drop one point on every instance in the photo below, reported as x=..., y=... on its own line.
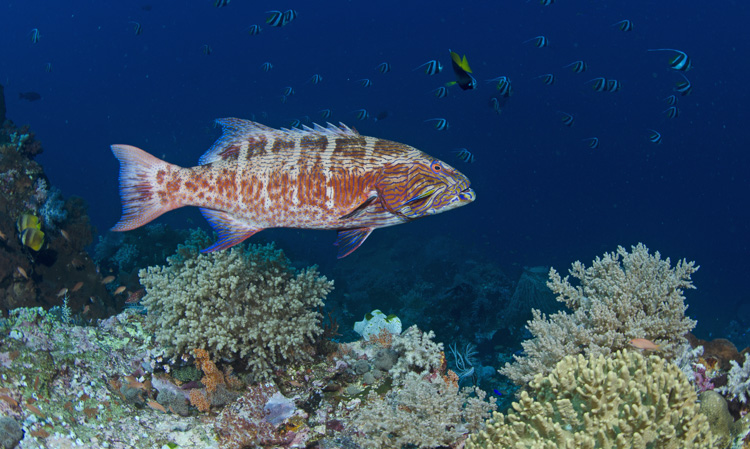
x=330, y=130
x=233, y=131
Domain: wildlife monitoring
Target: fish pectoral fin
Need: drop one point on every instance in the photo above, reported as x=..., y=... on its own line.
x=359, y=209
x=349, y=240
x=231, y=230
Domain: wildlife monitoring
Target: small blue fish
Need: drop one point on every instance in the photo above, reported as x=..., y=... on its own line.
x=624, y=25
x=681, y=61
x=441, y=124
x=440, y=92
x=315, y=79
x=683, y=87
x=567, y=119
x=547, y=2
x=497, y=392
x=577, y=66
x=539, y=41
x=654, y=137
x=288, y=91
x=289, y=15
x=613, y=86
x=266, y=66
x=137, y=28
x=361, y=114
x=465, y=155
x=600, y=84
x=495, y=105
x=593, y=142
x=254, y=30
x=503, y=85
x=221, y=3
x=206, y=49
x=48, y=67
x=325, y=113
x=672, y=112
x=35, y=36
x=547, y=79
x=365, y=82
x=431, y=67
x=671, y=100
x=275, y=18
x=383, y=67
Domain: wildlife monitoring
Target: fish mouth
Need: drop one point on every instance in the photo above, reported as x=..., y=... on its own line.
x=467, y=195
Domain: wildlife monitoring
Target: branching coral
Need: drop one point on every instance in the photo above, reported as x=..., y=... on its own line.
x=241, y=303
x=622, y=296
x=624, y=400
x=421, y=412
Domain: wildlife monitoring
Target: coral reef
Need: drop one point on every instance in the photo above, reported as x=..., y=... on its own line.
x=242, y=303
x=60, y=271
x=622, y=400
x=738, y=381
x=622, y=296
x=2, y=104
x=418, y=413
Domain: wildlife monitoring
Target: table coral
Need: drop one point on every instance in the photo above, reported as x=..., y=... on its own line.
x=624, y=400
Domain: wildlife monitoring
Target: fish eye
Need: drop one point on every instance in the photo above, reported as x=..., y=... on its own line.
x=436, y=166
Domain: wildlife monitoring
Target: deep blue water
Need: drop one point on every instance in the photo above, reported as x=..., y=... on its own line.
x=543, y=196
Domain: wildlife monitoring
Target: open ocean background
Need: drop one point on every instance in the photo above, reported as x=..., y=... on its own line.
x=543, y=196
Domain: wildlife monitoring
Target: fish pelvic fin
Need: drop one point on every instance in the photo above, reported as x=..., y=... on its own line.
x=349, y=240
x=231, y=230
x=142, y=198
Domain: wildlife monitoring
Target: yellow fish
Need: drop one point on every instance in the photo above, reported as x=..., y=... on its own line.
x=27, y=221
x=33, y=238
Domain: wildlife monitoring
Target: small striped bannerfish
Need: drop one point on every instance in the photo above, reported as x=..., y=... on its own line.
x=383, y=67
x=441, y=124
x=624, y=25
x=654, y=136
x=431, y=67
x=465, y=155
x=539, y=41
x=592, y=142
x=681, y=61
x=255, y=177
x=577, y=66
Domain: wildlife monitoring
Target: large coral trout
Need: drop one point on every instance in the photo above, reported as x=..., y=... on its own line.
x=255, y=177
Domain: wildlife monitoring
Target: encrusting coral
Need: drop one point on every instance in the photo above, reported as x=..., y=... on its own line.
x=624, y=400
x=622, y=296
x=246, y=304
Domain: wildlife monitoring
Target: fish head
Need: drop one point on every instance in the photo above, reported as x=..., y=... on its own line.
x=423, y=186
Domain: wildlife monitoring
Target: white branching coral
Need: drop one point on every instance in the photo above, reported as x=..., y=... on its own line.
x=622, y=296
x=738, y=381
x=417, y=353
x=240, y=303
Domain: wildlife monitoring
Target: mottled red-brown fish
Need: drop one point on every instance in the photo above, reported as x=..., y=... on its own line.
x=255, y=177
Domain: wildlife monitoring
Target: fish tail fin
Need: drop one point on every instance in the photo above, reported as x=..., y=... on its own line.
x=140, y=175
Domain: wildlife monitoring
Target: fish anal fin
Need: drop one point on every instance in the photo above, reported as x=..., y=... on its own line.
x=231, y=230
x=359, y=209
x=349, y=240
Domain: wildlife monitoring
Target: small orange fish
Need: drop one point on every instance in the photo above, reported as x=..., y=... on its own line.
x=156, y=406
x=108, y=279
x=22, y=272
x=35, y=410
x=77, y=287
x=643, y=344
x=63, y=291
x=2, y=236
x=119, y=290
x=8, y=399
x=65, y=235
